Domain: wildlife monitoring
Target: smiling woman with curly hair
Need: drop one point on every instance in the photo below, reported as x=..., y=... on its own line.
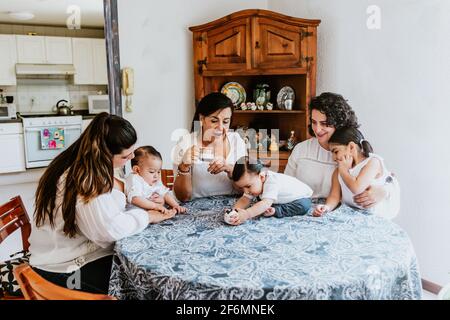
x=312, y=163
x=337, y=111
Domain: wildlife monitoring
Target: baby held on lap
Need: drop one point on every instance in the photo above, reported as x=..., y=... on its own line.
x=143, y=186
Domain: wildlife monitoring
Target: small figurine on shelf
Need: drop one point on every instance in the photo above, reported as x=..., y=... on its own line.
x=260, y=107
x=291, y=141
x=261, y=94
x=253, y=106
x=273, y=144
x=243, y=106
x=269, y=106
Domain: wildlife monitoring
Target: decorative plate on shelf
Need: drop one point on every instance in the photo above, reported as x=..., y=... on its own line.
x=235, y=92
x=285, y=94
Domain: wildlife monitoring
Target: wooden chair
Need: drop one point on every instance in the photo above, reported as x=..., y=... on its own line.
x=167, y=178
x=34, y=287
x=13, y=216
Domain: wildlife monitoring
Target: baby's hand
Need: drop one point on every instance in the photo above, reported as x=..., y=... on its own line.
x=320, y=210
x=241, y=216
x=179, y=209
x=162, y=209
x=155, y=197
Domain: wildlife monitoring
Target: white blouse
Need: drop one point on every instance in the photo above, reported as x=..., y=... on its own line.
x=101, y=222
x=205, y=184
x=313, y=165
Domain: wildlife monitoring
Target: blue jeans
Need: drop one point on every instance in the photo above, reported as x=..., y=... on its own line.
x=297, y=207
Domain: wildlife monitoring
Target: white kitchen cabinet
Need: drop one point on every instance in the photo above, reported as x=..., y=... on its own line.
x=12, y=144
x=85, y=123
x=89, y=59
x=8, y=59
x=100, y=68
x=43, y=50
x=31, y=49
x=58, y=50
x=83, y=61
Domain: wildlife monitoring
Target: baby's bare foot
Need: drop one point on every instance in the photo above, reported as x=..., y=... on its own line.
x=269, y=212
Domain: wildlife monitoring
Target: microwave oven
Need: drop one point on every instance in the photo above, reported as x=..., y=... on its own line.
x=98, y=103
x=8, y=111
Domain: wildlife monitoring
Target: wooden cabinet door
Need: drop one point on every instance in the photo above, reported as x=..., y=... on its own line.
x=227, y=47
x=58, y=50
x=278, y=45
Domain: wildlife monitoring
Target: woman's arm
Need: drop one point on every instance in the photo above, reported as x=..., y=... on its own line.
x=102, y=221
x=373, y=195
x=182, y=186
x=365, y=177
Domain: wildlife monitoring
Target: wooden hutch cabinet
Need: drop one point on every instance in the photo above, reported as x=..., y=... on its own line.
x=260, y=47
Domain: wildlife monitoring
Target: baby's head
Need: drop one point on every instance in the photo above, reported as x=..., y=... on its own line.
x=348, y=141
x=147, y=163
x=249, y=176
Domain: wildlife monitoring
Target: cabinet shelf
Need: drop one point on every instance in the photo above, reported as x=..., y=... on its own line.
x=269, y=111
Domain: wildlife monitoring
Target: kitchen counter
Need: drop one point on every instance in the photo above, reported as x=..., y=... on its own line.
x=10, y=120
x=83, y=113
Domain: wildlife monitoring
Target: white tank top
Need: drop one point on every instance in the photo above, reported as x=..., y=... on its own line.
x=347, y=194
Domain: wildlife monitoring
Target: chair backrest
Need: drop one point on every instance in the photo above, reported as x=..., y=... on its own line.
x=13, y=216
x=34, y=287
x=167, y=178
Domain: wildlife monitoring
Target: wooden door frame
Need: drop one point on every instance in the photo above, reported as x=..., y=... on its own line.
x=113, y=56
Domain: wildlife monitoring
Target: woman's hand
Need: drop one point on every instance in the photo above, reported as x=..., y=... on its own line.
x=370, y=197
x=156, y=216
x=218, y=165
x=320, y=210
x=241, y=216
x=190, y=156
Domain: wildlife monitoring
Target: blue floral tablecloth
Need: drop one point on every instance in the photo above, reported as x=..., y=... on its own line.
x=346, y=254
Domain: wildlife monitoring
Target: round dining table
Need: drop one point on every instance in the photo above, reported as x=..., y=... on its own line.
x=346, y=254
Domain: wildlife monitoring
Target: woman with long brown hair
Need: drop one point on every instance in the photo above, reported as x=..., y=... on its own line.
x=80, y=208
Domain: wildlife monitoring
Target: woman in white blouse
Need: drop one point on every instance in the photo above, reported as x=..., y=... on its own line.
x=312, y=163
x=204, y=159
x=80, y=208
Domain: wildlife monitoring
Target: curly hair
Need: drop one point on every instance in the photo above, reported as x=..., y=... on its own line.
x=338, y=112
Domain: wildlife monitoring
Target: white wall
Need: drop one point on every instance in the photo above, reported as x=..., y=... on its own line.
x=398, y=80
x=156, y=42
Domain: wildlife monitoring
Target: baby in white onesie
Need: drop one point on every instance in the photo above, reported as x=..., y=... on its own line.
x=143, y=186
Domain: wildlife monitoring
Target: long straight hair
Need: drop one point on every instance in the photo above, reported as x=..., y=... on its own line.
x=346, y=135
x=88, y=164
